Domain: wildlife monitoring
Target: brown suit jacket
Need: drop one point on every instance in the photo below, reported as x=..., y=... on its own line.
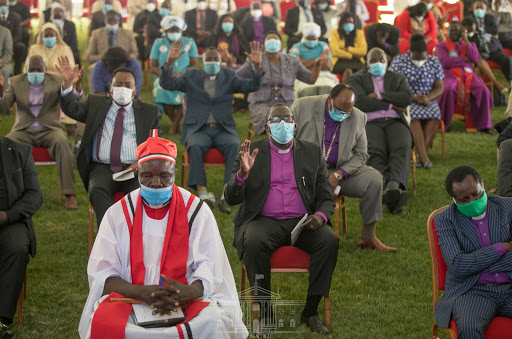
x=98, y=44
x=18, y=92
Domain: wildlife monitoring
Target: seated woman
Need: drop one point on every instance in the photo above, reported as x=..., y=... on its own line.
x=417, y=20
x=425, y=76
x=348, y=47
x=280, y=72
x=113, y=59
x=307, y=51
x=227, y=34
x=171, y=102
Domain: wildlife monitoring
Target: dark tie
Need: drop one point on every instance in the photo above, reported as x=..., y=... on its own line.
x=117, y=140
x=110, y=39
x=202, y=20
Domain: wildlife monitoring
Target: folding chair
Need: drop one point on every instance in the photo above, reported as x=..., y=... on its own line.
x=214, y=158
x=500, y=327
x=117, y=196
x=413, y=167
x=21, y=299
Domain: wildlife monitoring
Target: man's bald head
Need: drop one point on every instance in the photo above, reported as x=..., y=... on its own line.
x=376, y=55
x=279, y=110
x=479, y=5
x=36, y=64
x=343, y=98
x=211, y=55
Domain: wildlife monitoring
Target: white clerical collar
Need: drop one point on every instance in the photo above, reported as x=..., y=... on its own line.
x=481, y=216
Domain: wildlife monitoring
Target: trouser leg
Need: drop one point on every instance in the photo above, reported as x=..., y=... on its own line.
x=198, y=144
x=505, y=63
x=377, y=148
x=101, y=189
x=228, y=144
x=20, y=54
x=398, y=138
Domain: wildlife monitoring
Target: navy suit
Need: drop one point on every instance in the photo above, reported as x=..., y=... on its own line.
x=197, y=136
x=466, y=259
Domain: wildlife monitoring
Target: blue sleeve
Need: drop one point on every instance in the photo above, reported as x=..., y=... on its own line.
x=98, y=83
x=135, y=67
x=193, y=50
x=155, y=50
x=295, y=50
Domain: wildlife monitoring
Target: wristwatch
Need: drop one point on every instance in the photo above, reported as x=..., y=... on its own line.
x=337, y=176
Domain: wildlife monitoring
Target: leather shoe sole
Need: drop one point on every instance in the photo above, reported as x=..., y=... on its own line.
x=71, y=203
x=315, y=324
x=397, y=206
x=391, y=195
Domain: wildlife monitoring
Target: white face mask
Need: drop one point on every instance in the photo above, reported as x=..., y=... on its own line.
x=201, y=5
x=471, y=34
x=418, y=63
x=256, y=13
x=419, y=18
x=150, y=7
x=122, y=95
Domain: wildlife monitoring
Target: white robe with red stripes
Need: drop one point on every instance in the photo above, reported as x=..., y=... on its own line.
x=207, y=261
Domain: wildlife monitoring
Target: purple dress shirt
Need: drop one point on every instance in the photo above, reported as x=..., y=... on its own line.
x=378, y=87
x=259, y=34
x=283, y=199
x=35, y=101
x=482, y=229
x=330, y=127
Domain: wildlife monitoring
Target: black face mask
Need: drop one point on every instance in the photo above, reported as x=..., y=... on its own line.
x=454, y=36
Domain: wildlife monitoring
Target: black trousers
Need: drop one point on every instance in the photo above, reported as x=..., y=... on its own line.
x=102, y=188
x=14, y=247
x=20, y=54
x=504, y=61
x=264, y=235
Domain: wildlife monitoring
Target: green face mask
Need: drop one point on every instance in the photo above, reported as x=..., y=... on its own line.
x=474, y=208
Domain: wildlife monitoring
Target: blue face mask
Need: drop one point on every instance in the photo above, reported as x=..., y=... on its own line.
x=378, y=69
x=338, y=115
x=49, y=42
x=348, y=27
x=323, y=6
x=479, y=13
x=282, y=132
x=35, y=78
x=211, y=68
x=163, y=12
x=4, y=9
x=272, y=45
x=156, y=196
x=107, y=7
x=311, y=43
x=174, y=36
x=227, y=27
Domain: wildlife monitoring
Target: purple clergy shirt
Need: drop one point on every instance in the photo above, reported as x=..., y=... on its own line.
x=378, y=88
x=35, y=101
x=259, y=34
x=482, y=229
x=330, y=127
x=283, y=199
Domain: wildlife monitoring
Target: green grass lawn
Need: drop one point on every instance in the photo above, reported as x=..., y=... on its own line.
x=373, y=295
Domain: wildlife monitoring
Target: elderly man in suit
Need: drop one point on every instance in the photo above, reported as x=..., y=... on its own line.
x=333, y=123
x=299, y=15
x=475, y=239
x=200, y=23
x=384, y=96
x=114, y=126
x=37, y=121
x=20, y=198
x=6, y=53
x=209, y=119
x=100, y=10
x=255, y=25
x=277, y=181
x=12, y=21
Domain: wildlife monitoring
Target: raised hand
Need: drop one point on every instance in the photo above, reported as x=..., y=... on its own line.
x=323, y=59
x=246, y=158
x=225, y=55
x=175, y=53
x=256, y=53
x=66, y=71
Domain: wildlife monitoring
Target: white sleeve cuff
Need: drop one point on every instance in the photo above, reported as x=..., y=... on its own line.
x=66, y=91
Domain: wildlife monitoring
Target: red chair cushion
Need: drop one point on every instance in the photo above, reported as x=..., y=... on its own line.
x=499, y=328
x=214, y=156
x=40, y=154
x=441, y=265
x=373, y=9
x=118, y=196
x=507, y=51
x=289, y=257
x=493, y=65
x=285, y=6
x=242, y=3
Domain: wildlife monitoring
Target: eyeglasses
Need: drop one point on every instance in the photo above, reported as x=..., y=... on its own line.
x=278, y=118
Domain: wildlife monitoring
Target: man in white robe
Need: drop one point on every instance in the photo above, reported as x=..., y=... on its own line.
x=208, y=273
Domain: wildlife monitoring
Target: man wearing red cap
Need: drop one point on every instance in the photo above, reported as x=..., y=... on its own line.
x=160, y=246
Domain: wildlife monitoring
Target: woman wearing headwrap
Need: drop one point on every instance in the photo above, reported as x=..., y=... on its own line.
x=348, y=47
x=171, y=102
x=227, y=34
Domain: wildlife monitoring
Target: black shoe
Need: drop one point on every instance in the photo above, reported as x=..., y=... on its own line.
x=391, y=195
x=489, y=131
x=397, y=207
x=315, y=324
x=5, y=331
x=224, y=206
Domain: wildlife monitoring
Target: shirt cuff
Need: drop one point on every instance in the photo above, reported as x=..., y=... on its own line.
x=379, y=96
x=500, y=249
x=239, y=181
x=78, y=94
x=323, y=216
x=66, y=91
x=345, y=174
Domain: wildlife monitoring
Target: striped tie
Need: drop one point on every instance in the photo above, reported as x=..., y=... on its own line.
x=117, y=140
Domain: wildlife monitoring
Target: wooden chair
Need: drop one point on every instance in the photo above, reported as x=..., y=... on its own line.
x=117, y=196
x=214, y=158
x=21, y=299
x=413, y=167
x=500, y=328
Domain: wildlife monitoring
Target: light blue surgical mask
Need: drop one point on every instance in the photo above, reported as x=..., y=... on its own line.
x=338, y=115
x=348, y=27
x=311, y=43
x=272, y=45
x=163, y=12
x=35, y=78
x=112, y=28
x=156, y=196
x=479, y=13
x=323, y=6
x=58, y=22
x=174, y=36
x=378, y=69
x=429, y=6
x=49, y=42
x=282, y=132
x=4, y=9
x=227, y=27
x=107, y=7
x=211, y=68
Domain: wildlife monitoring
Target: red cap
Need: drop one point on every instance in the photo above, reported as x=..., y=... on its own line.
x=156, y=148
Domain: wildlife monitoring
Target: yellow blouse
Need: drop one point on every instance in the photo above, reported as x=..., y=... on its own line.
x=336, y=44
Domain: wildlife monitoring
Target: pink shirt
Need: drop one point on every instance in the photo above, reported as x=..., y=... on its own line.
x=378, y=87
x=35, y=101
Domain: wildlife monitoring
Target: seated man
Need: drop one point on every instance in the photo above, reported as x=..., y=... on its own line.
x=6, y=53
x=209, y=121
x=264, y=181
x=339, y=129
x=255, y=25
x=99, y=14
x=383, y=96
x=200, y=23
x=173, y=255
x=12, y=21
x=37, y=121
x=20, y=198
x=385, y=37
x=24, y=12
x=475, y=240
x=457, y=55
x=114, y=126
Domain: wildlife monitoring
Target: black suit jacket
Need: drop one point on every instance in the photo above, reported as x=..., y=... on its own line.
x=153, y=27
x=191, y=20
x=98, y=21
x=292, y=21
x=92, y=112
x=310, y=175
x=491, y=27
x=269, y=25
x=13, y=23
x=23, y=194
x=392, y=40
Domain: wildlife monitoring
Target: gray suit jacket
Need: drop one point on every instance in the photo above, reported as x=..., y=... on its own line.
x=98, y=44
x=18, y=92
x=6, y=49
x=464, y=257
x=309, y=114
x=505, y=168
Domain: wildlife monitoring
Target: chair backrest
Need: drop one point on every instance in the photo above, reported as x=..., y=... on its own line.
x=242, y=3
x=438, y=265
x=285, y=6
x=456, y=10
x=373, y=10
